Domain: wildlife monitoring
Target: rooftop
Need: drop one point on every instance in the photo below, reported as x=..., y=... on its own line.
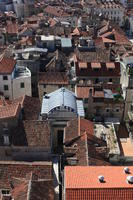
x=52, y=78
x=127, y=146
x=9, y=111
x=7, y=65
x=87, y=177
x=62, y=99
x=107, y=133
x=98, y=69
x=37, y=133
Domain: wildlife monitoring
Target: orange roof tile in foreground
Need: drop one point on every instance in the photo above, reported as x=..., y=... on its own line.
x=81, y=177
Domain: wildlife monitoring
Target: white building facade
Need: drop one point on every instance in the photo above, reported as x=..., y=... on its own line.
x=16, y=84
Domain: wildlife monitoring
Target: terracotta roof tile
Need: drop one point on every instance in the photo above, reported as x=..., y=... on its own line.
x=52, y=78
x=103, y=71
x=11, y=169
x=83, y=91
x=20, y=192
x=31, y=107
x=82, y=65
x=7, y=65
x=37, y=133
x=98, y=94
x=8, y=111
x=95, y=65
x=87, y=177
x=42, y=190
x=12, y=27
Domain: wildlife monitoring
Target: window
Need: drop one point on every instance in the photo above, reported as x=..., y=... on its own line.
x=44, y=86
x=110, y=80
x=5, y=191
x=7, y=98
x=22, y=85
x=107, y=110
x=117, y=109
x=96, y=69
x=86, y=100
x=96, y=80
x=5, y=78
x=5, y=87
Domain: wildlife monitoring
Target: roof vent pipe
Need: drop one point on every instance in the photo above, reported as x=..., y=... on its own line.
x=126, y=170
x=101, y=178
x=130, y=179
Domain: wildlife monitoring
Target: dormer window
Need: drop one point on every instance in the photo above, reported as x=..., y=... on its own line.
x=96, y=66
x=5, y=78
x=110, y=66
x=82, y=65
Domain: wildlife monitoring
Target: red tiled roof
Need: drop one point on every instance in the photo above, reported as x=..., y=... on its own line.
x=7, y=65
x=103, y=71
x=52, y=78
x=87, y=177
x=20, y=192
x=12, y=27
x=102, y=194
x=37, y=133
x=82, y=65
x=31, y=106
x=98, y=94
x=95, y=65
x=110, y=65
x=83, y=92
x=77, y=127
x=19, y=170
x=55, y=11
x=106, y=40
x=8, y=111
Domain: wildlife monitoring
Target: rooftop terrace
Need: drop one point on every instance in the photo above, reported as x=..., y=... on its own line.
x=107, y=133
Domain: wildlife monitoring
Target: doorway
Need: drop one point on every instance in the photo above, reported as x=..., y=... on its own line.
x=60, y=140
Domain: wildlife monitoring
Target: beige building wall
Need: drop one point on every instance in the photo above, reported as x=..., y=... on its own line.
x=7, y=93
x=128, y=102
x=18, y=91
x=105, y=109
x=51, y=88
